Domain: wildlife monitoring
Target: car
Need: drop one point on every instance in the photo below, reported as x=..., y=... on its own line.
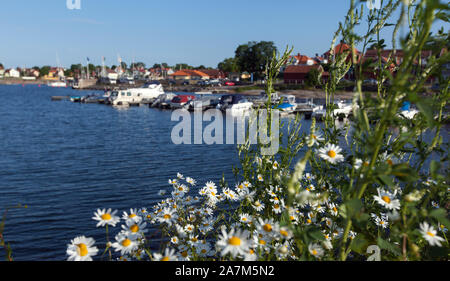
x=202, y=83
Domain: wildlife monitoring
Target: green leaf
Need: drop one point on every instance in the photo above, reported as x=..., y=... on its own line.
x=441, y=216
x=316, y=234
x=425, y=107
x=404, y=172
x=434, y=168
x=359, y=244
x=387, y=180
x=350, y=208
x=385, y=245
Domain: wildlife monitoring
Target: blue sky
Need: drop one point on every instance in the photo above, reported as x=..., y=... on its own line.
x=197, y=32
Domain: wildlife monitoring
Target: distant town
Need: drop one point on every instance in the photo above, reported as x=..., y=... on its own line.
x=246, y=67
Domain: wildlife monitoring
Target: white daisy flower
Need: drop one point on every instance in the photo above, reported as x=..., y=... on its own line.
x=245, y=218
x=211, y=186
x=275, y=165
x=189, y=228
x=81, y=249
x=250, y=256
x=381, y=221
x=258, y=206
x=331, y=153
x=169, y=255
x=278, y=207
x=315, y=250
x=360, y=163
x=134, y=228
x=125, y=243
x=204, y=250
x=106, y=217
x=387, y=199
x=168, y=216
x=132, y=216
x=314, y=138
x=193, y=240
x=333, y=209
x=235, y=242
x=267, y=227
x=190, y=181
x=180, y=176
x=174, y=240
x=181, y=188
x=260, y=178
x=230, y=194
x=285, y=233
x=429, y=233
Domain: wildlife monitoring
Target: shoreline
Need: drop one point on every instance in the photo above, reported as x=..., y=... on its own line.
x=300, y=93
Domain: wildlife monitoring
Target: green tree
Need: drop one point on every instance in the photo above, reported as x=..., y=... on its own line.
x=45, y=70
x=313, y=77
x=252, y=57
x=229, y=65
x=179, y=66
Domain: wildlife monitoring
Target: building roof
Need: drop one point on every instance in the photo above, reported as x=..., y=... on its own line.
x=339, y=49
x=300, y=68
x=189, y=72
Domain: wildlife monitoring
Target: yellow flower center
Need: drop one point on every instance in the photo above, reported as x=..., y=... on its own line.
x=203, y=251
x=134, y=228
x=331, y=153
x=390, y=163
x=106, y=217
x=276, y=206
x=184, y=254
x=334, y=209
x=284, y=233
x=267, y=227
x=167, y=216
x=366, y=164
x=235, y=241
x=82, y=249
x=165, y=259
x=430, y=234
x=131, y=216
x=386, y=199
x=262, y=242
x=126, y=242
x=308, y=221
x=314, y=252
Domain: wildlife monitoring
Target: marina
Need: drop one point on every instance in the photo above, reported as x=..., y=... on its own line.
x=152, y=94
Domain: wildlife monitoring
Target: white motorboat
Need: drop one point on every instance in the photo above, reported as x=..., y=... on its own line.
x=149, y=92
x=340, y=108
x=234, y=102
x=57, y=84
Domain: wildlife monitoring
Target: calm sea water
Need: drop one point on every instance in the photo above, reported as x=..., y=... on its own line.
x=64, y=160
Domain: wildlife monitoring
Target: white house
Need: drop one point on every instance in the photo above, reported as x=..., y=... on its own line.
x=13, y=73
